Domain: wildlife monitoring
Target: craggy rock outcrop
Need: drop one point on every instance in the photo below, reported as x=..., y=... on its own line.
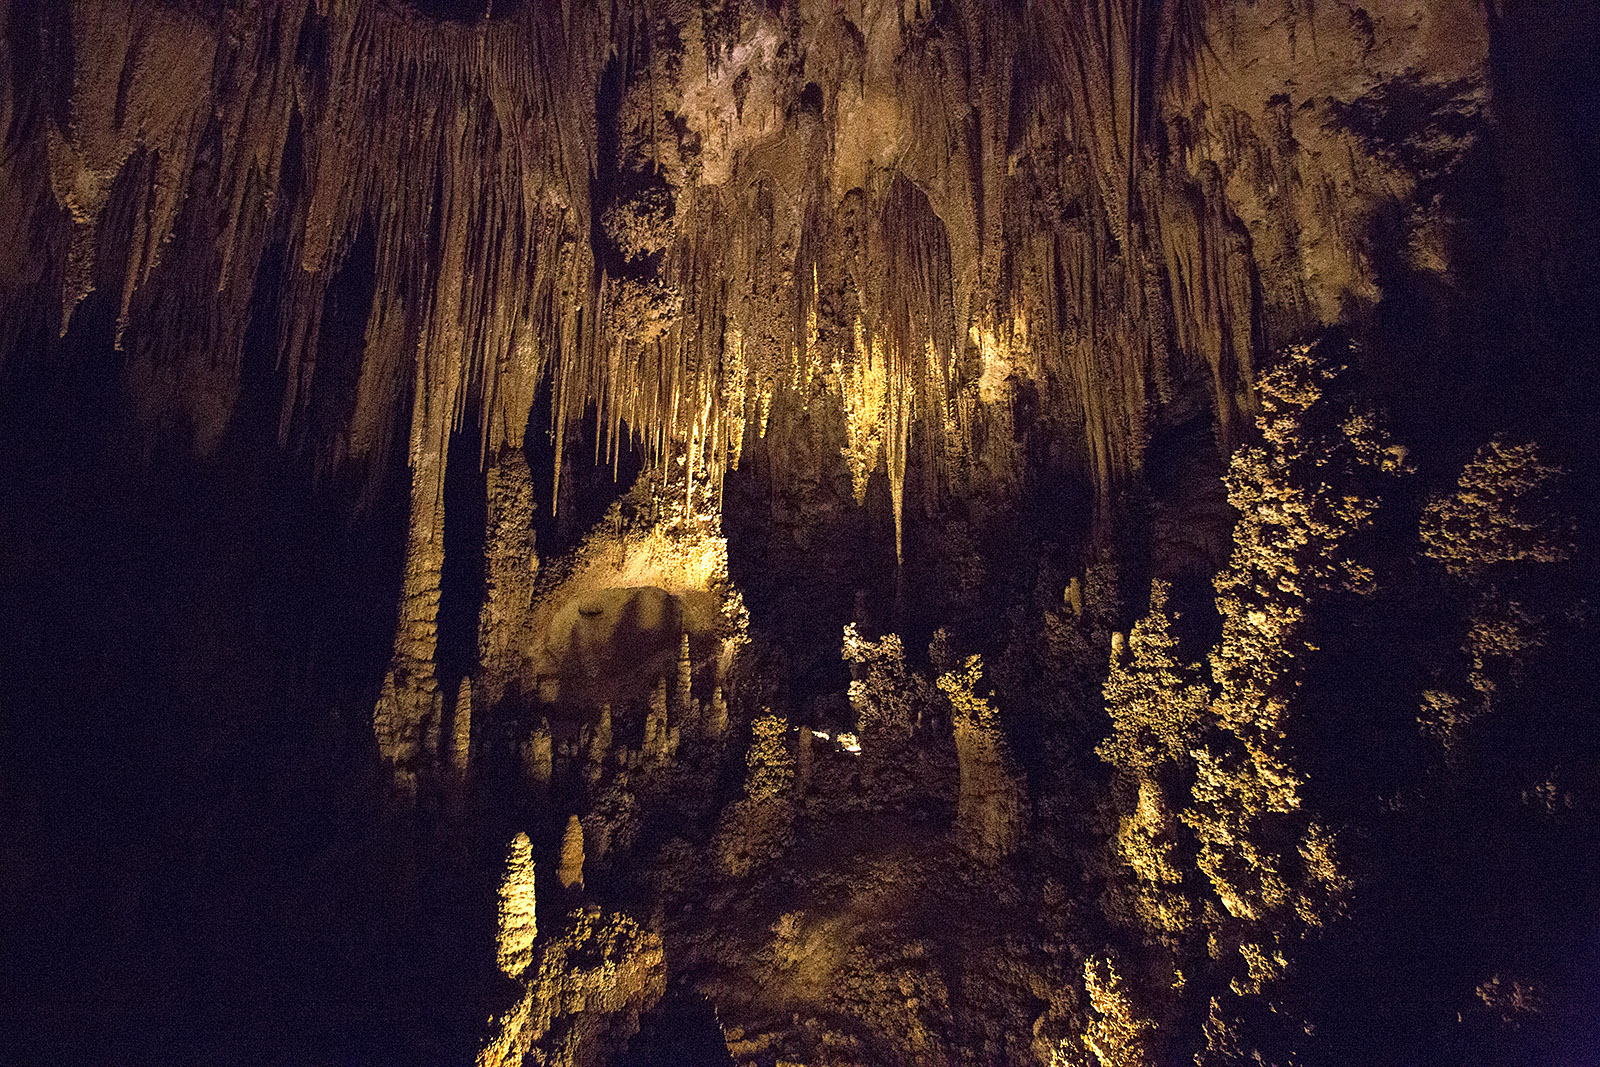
x=583, y=1000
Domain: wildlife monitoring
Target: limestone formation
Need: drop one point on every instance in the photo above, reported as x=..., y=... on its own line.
x=1124, y=194
x=992, y=811
x=757, y=826
x=510, y=566
x=994, y=279
x=537, y=757
x=688, y=709
x=716, y=721
x=461, y=730
x=519, y=924
x=570, y=871
x=660, y=740
x=584, y=998
x=599, y=746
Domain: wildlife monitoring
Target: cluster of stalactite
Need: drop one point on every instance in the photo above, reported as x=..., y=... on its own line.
x=674, y=217
x=752, y=243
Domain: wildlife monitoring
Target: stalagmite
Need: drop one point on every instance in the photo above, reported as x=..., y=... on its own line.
x=570, y=872
x=518, y=922
x=510, y=566
x=657, y=738
x=600, y=740
x=683, y=694
x=537, y=756
x=992, y=808
x=406, y=719
x=461, y=730
x=716, y=721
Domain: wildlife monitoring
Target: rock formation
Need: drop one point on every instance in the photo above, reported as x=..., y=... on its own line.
x=613, y=355
x=992, y=808
x=510, y=566
x=570, y=872
x=583, y=1000
x=461, y=730
x=519, y=924
x=919, y=214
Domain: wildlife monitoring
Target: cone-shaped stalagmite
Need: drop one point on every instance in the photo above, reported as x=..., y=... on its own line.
x=570, y=872
x=518, y=923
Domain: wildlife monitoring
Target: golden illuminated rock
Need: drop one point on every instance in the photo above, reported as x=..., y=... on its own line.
x=519, y=924
x=1001, y=277
x=584, y=996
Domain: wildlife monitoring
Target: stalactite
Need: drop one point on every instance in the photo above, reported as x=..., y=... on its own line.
x=465, y=151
